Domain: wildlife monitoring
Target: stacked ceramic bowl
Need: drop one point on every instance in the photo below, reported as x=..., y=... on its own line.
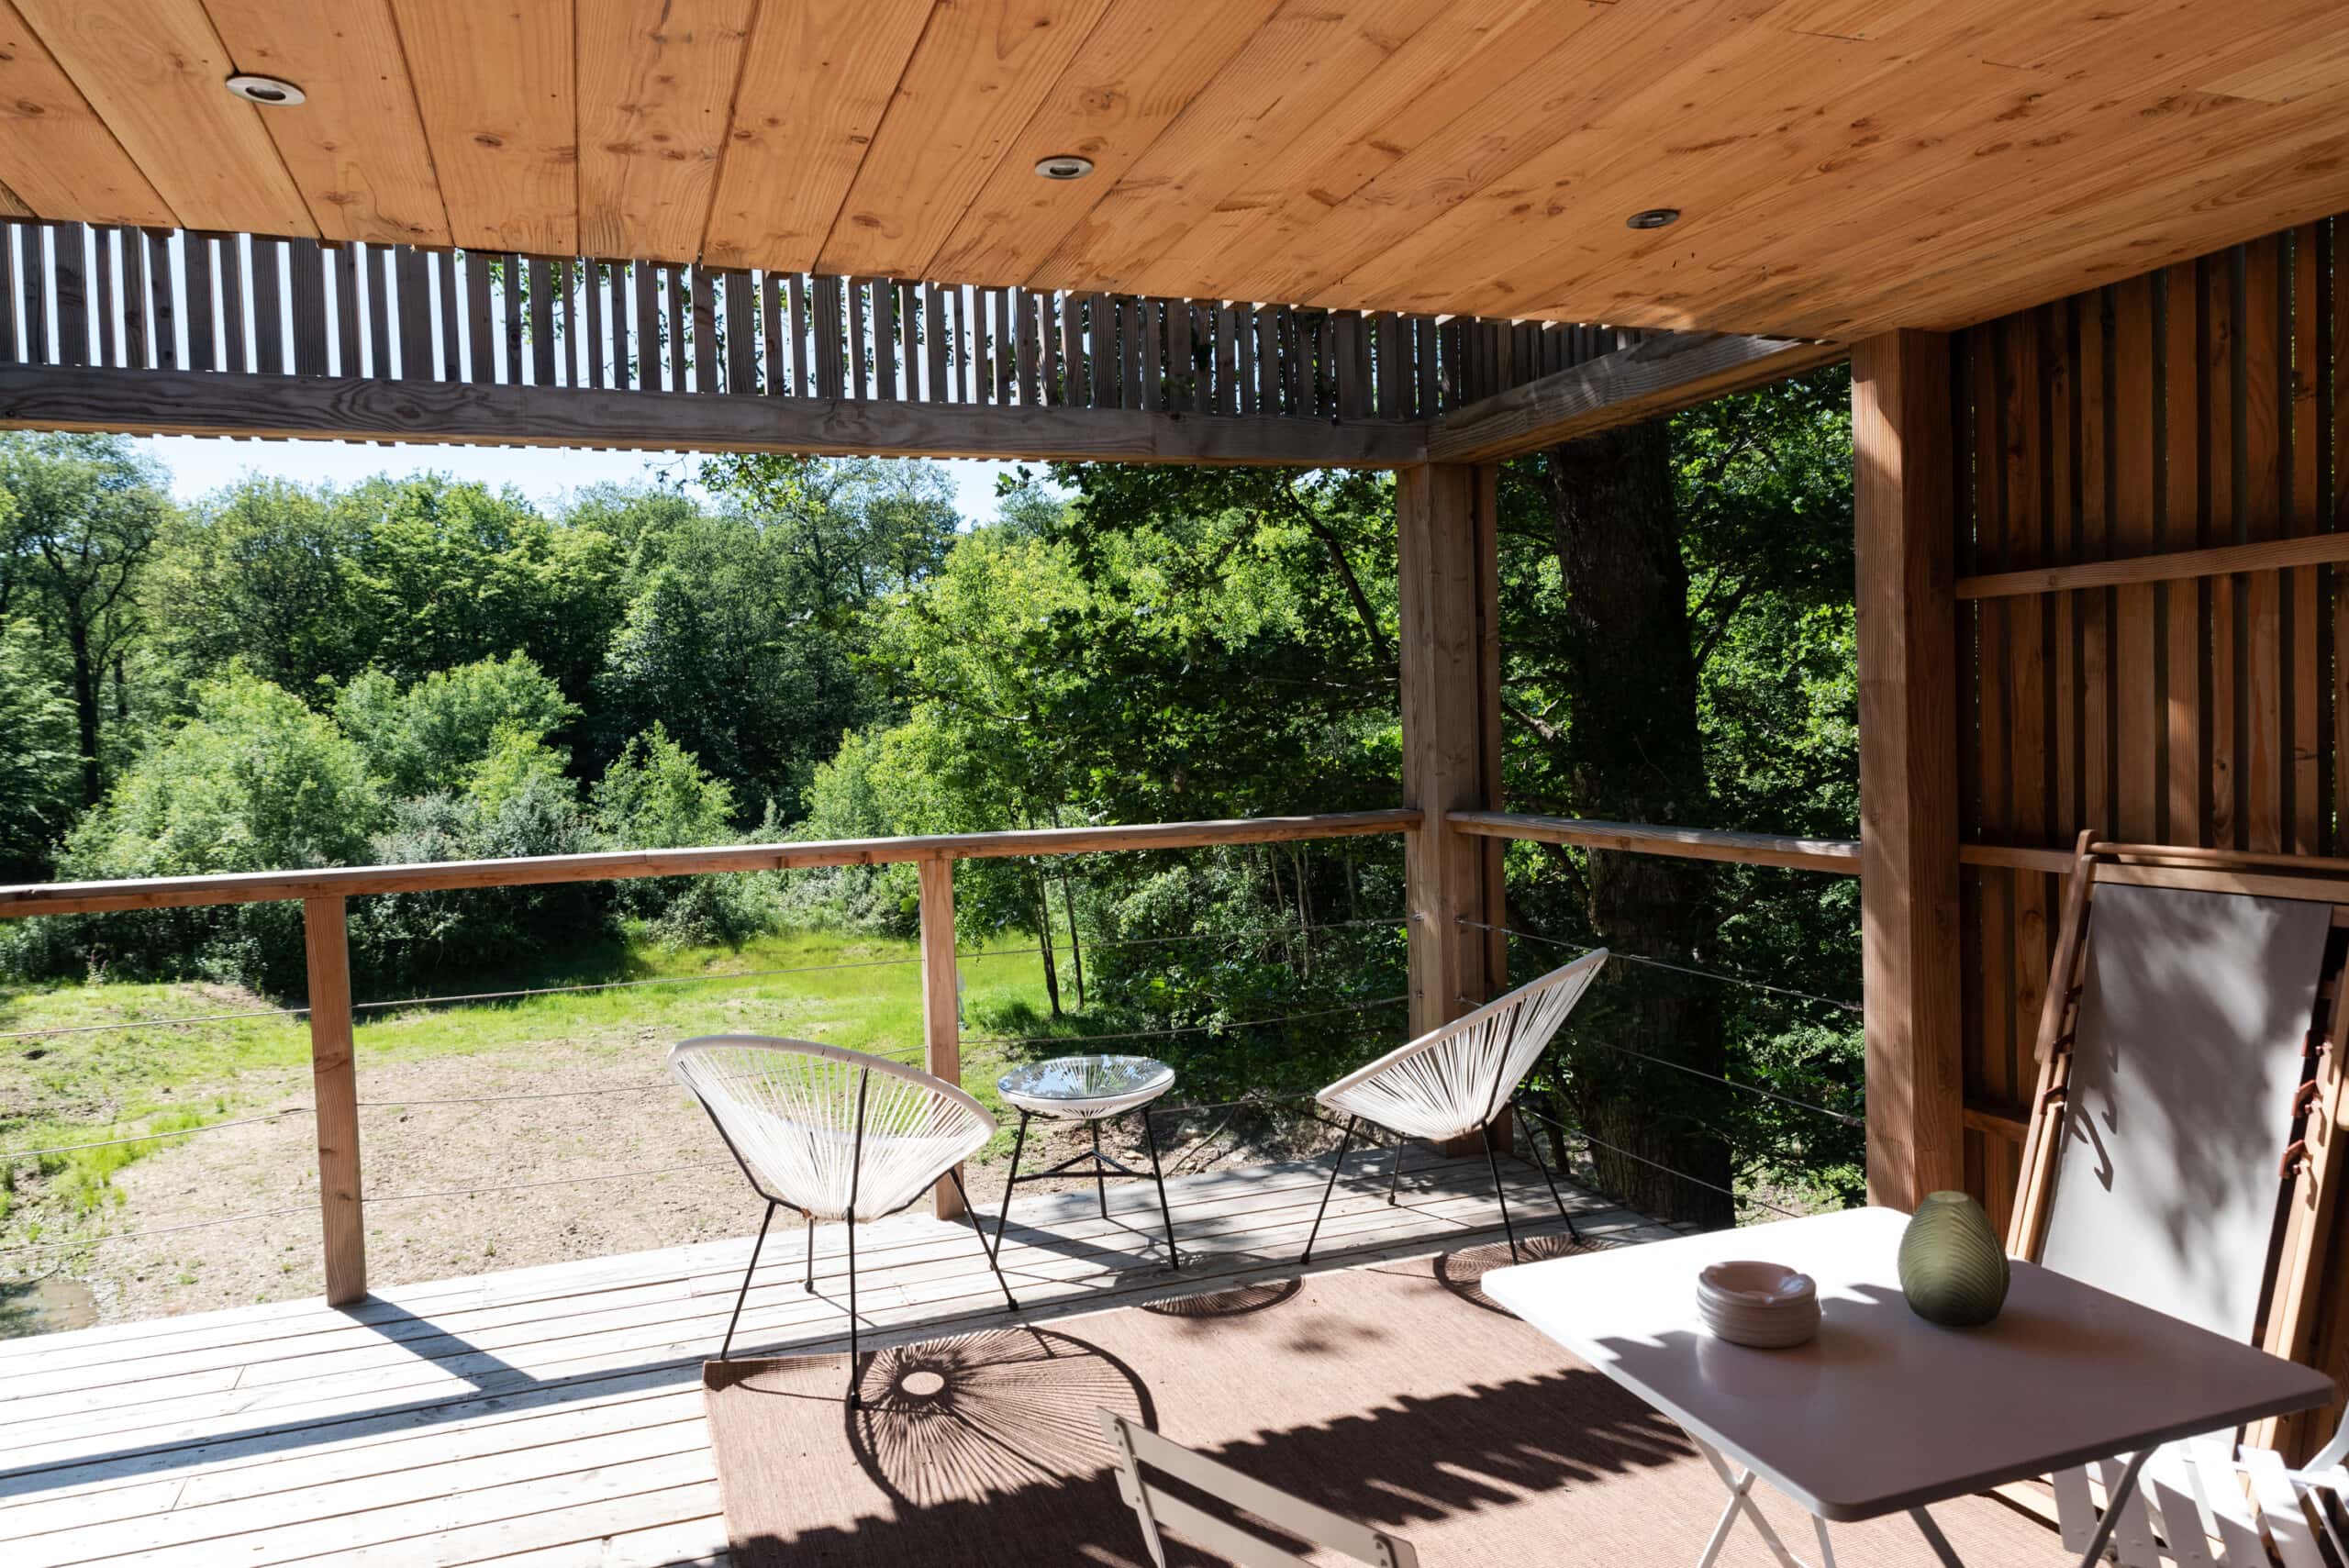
x=1767, y=1305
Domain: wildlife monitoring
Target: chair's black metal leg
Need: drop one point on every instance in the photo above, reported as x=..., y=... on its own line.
x=1533, y=1141
x=1010, y=1181
x=1394, y=1176
x=853, y=1393
x=811, y=1253
x=1100, y=1179
x=1149, y=1134
x=1494, y=1159
x=981, y=1231
x=1344, y=1144
x=855, y=1182
x=744, y=1293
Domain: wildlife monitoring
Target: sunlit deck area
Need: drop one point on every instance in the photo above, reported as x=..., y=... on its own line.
x=555, y=1414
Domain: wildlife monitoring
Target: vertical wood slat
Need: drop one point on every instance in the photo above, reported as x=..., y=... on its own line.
x=195, y=272
x=938, y=380
x=644, y=357
x=1133, y=337
x=105, y=336
x=71, y=269
x=450, y=312
x=1047, y=353
x=1026, y=359
x=334, y=1083
x=910, y=339
x=412, y=306
x=311, y=329
x=825, y=322
x=164, y=289
x=1182, y=386
x=941, y=994
x=545, y=285
x=268, y=260
x=348, y=354
x=12, y=293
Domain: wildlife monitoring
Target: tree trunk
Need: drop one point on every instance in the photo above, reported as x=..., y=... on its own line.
x=1075, y=946
x=1636, y=754
x=1044, y=942
x=86, y=696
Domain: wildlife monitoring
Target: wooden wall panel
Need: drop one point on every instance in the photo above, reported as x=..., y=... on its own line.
x=2191, y=407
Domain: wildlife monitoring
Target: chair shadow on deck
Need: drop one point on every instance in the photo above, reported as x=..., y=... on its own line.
x=1007, y=1464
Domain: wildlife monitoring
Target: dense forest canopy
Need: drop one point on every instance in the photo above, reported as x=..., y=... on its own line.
x=413, y=669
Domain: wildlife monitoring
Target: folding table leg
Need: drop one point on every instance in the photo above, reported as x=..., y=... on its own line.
x=1739, y=1501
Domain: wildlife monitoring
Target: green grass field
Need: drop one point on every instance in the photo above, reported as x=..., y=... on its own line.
x=60, y=1087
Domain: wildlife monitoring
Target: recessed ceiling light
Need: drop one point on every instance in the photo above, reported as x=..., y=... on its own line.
x=1654, y=217
x=267, y=91
x=1064, y=166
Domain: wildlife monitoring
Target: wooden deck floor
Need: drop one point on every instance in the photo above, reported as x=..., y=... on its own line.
x=554, y=1415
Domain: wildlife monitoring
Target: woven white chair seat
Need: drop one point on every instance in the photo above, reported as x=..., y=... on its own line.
x=1448, y=1083
x=788, y=1107
x=1086, y=1088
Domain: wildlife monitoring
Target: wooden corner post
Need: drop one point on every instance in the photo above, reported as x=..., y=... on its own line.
x=1904, y=504
x=1450, y=666
x=941, y=1025
x=334, y=1091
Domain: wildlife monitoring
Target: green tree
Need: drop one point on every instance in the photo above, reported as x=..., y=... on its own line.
x=253, y=780
x=433, y=736
x=39, y=771
x=267, y=572
x=656, y=795
x=87, y=516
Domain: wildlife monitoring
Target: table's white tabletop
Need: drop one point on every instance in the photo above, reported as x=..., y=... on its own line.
x=1884, y=1411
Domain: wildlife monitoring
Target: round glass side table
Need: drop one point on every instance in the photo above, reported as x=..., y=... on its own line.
x=1091, y=1089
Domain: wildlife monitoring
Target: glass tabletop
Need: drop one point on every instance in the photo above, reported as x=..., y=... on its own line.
x=1078, y=1083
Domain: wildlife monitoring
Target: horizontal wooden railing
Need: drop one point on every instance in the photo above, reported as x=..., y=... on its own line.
x=324, y=892
x=1834, y=857
x=81, y=295
x=265, y=887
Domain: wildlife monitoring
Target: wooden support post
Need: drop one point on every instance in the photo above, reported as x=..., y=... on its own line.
x=1450, y=659
x=1904, y=499
x=940, y=1005
x=334, y=1087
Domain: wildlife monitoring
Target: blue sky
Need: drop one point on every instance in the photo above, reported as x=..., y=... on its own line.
x=201, y=465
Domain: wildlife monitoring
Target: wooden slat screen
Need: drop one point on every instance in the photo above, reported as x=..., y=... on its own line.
x=2192, y=408
x=77, y=295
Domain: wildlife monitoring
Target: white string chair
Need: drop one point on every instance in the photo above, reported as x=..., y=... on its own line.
x=832, y=1134
x=1453, y=1081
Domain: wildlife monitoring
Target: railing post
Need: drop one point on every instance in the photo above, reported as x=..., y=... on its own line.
x=1450, y=657
x=941, y=1021
x=334, y=1088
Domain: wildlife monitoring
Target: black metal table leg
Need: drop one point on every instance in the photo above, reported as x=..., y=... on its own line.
x=1149, y=1134
x=1018, y=1142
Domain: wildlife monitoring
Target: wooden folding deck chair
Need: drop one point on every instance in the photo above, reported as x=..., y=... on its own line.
x=2183, y=1149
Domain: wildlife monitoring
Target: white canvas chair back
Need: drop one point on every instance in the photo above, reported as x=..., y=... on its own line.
x=791, y=1110
x=2193, y=1014
x=1158, y=1510
x=1448, y=1083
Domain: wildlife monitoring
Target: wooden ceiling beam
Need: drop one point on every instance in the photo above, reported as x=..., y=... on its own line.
x=1658, y=376
x=196, y=403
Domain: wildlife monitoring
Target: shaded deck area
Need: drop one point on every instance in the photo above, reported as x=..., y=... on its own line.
x=555, y=1414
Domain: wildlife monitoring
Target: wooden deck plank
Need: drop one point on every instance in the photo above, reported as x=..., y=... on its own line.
x=1073, y=1267
x=553, y=1415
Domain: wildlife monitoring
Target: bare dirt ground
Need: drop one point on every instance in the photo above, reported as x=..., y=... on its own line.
x=458, y=1189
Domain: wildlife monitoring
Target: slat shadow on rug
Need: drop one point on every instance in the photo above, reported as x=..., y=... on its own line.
x=1390, y=1393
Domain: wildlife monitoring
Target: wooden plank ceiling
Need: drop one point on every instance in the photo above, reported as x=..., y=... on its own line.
x=1844, y=165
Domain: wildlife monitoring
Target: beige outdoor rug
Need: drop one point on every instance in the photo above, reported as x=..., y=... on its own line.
x=1393, y=1392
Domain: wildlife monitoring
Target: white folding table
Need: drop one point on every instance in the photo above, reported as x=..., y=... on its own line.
x=1885, y=1412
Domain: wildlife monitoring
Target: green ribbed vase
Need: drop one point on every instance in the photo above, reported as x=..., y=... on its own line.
x=1952, y=1264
